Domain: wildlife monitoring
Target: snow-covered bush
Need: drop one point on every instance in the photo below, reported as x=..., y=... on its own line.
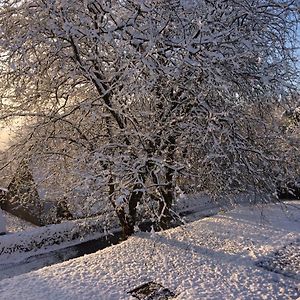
x=127, y=102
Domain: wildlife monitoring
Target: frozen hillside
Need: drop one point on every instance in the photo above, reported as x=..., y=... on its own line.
x=248, y=253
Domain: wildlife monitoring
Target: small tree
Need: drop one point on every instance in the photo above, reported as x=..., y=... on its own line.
x=139, y=97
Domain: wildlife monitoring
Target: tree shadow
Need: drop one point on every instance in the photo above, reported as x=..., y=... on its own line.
x=192, y=246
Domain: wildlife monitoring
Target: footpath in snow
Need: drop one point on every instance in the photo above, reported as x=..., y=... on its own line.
x=248, y=253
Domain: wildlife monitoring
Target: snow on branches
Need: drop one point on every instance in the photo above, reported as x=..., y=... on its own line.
x=149, y=96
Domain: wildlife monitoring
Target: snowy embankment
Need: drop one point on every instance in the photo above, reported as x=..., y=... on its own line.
x=218, y=257
x=21, y=245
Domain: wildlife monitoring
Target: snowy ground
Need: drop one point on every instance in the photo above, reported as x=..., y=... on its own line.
x=30, y=248
x=26, y=241
x=219, y=257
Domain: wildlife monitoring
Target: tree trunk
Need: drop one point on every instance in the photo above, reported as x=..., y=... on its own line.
x=127, y=223
x=127, y=220
x=165, y=216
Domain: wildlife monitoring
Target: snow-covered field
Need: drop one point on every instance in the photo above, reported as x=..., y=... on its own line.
x=221, y=257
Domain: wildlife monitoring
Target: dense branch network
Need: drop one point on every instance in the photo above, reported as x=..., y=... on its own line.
x=133, y=101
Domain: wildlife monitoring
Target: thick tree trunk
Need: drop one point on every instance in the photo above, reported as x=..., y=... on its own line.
x=127, y=223
x=127, y=220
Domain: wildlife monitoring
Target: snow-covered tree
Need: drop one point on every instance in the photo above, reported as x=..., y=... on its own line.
x=141, y=98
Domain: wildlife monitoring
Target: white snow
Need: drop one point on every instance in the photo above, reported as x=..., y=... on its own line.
x=17, y=247
x=28, y=240
x=214, y=258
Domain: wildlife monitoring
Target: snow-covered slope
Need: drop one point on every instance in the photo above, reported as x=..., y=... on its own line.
x=214, y=258
x=35, y=240
x=21, y=245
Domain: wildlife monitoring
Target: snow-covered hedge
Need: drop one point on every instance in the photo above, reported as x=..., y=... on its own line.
x=18, y=246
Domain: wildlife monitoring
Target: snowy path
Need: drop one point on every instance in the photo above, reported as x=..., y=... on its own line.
x=214, y=258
